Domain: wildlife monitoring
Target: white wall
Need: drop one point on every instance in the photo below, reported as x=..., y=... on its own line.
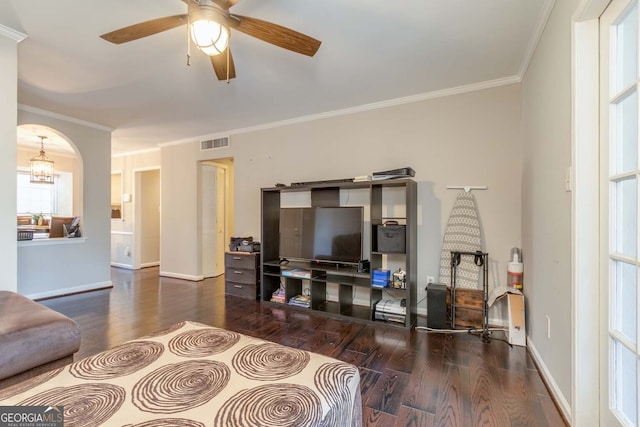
x=546, y=206
x=8, y=138
x=46, y=270
x=467, y=139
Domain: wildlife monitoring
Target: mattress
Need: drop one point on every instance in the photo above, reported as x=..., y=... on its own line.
x=197, y=375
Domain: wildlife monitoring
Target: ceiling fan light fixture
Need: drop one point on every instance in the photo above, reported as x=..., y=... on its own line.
x=41, y=167
x=208, y=29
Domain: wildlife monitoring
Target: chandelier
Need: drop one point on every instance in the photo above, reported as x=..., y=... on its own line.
x=41, y=166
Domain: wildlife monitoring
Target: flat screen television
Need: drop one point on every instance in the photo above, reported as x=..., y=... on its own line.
x=321, y=234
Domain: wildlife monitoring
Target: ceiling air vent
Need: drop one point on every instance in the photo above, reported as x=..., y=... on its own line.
x=211, y=144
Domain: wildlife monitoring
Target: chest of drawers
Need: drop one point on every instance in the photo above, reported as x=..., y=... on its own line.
x=242, y=274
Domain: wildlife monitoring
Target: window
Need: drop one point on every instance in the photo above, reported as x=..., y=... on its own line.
x=46, y=199
x=621, y=222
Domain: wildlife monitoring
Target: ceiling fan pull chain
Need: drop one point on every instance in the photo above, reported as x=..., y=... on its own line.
x=188, y=44
x=228, y=63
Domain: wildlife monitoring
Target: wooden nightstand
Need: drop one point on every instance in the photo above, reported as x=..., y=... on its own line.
x=242, y=274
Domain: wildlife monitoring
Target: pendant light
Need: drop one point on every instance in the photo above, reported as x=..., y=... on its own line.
x=42, y=166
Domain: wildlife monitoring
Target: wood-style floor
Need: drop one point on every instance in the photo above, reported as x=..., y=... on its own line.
x=408, y=378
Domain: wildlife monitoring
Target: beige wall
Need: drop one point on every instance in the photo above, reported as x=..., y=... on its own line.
x=467, y=139
x=124, y=251
x=149, y=200
x=546, y=206
x=8, y=138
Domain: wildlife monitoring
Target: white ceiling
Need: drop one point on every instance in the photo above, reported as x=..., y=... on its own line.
x=372, y=51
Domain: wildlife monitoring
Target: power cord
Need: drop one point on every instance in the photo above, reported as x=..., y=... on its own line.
x=454, y=331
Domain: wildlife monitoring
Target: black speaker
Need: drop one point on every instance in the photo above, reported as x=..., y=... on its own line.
x=437, y=306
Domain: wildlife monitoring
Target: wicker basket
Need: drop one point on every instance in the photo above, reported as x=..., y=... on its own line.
x=25, y=234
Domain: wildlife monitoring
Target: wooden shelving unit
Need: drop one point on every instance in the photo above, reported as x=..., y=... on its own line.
x=346, y=278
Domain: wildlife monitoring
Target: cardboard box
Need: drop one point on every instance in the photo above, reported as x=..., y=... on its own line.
x=517, y=334
x=516, y=330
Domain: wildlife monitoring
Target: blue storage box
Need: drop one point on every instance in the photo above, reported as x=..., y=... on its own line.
x=381, y=277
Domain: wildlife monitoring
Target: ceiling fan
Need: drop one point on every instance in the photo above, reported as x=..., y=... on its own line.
x=210, y=22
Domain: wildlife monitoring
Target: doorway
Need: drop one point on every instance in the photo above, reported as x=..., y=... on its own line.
x=215, y=214
x=147, y=214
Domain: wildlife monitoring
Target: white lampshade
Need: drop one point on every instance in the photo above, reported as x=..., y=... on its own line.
x=208, y=29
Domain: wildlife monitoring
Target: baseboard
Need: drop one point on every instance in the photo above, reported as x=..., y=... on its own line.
x=182, y=276
x=150, y=264
x=551, y=383
x=73, y=290
x=121, y=265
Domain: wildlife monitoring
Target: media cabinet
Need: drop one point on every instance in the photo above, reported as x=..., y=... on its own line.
x=331, y=287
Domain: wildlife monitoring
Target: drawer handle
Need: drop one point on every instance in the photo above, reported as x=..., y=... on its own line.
x=237, y=272
x=237, y=258
x=237, y=286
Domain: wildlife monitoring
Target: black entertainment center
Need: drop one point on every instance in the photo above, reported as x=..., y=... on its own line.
x=305, y=251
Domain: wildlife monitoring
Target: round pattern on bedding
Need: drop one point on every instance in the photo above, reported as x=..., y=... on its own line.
x=180, y=386
x=280, y=405
x=203, y=342
x=122, y=360
x=168, y=422
x=269, y=362
x=88, y=404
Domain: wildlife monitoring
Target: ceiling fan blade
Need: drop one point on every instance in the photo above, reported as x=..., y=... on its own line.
x=275, y=34
x=219, y=63
x=144, y=29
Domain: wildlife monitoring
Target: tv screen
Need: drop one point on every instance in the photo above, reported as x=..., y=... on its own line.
x=321, y=234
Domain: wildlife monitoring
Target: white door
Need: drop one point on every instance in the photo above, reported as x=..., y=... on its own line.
x=212, y=199
x=620, y=172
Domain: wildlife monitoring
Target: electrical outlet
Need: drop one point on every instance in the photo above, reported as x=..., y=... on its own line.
x=548, y=327
x=431, y=279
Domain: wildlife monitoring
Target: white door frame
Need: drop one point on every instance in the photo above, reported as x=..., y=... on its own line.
x=585, y=346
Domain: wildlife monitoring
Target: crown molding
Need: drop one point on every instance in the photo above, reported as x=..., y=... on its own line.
x=12, y=34
x=53, y=115
x=133, y=153
x=543, y=18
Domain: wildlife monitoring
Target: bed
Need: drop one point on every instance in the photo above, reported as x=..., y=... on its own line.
x=197, y=375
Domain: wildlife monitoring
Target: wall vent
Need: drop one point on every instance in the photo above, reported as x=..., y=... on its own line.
x=211, y=144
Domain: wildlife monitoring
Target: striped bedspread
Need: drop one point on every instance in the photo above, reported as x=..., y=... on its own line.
x=198, y=375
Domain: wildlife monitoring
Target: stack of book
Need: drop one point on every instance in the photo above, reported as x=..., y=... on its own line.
x=278, y=296
x=300, y=301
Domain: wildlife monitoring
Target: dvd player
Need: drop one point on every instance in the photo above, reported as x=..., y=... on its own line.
x=394, y=173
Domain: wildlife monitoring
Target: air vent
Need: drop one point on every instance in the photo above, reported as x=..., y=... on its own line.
x=211, y=144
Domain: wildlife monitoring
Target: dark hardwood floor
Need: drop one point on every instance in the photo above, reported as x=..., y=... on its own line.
x=408, y=378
